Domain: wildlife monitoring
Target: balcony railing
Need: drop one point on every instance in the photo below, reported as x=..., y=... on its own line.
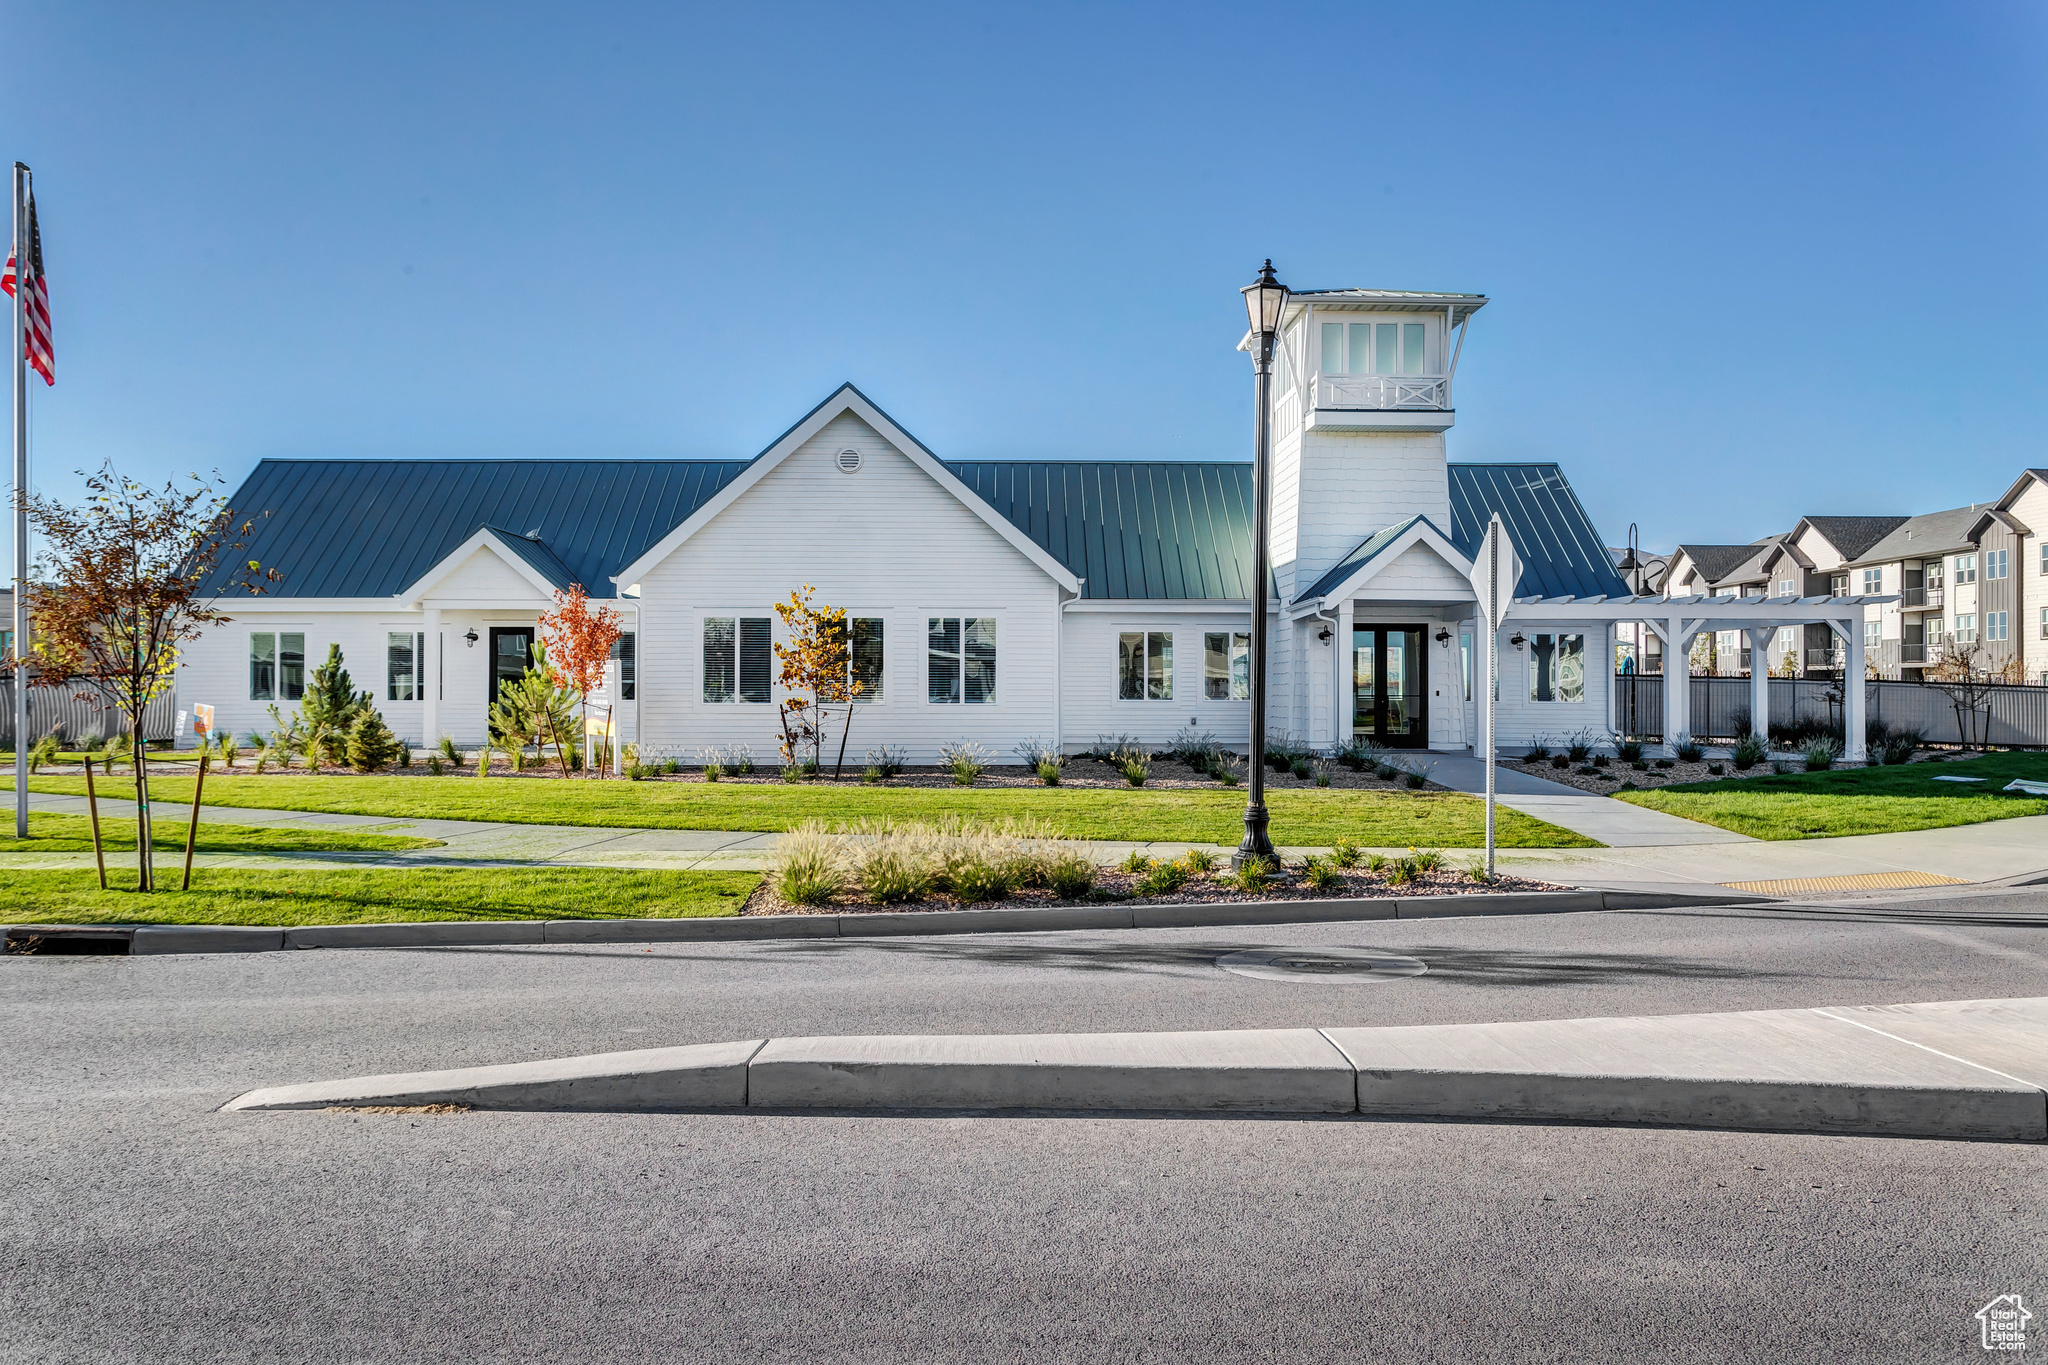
x=1383, y=392
x=1917, y=599
x=1824, y=658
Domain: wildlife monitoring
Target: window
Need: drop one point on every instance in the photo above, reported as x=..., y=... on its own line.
x=1838, y=585
x=1873, y=581
x=6, y=641
x=1786, y=587
x=736, y=646
x=1788, y=637
x=1873, y=634
x=277, y=665
x=1933, y=624
x=1465, y=659
x=865, y=656
x=1994, y=625
x=1966, y=628
x=1966, y=568
x=1144, y=665
x=1227, y=665
x=1557, y=668
x=1994, y=563
x=403, y=651
x=1933, y=573
x=2044, y=623
x=2044, y=556
x=623, y=649
x=960, y=659
x=1373, y=348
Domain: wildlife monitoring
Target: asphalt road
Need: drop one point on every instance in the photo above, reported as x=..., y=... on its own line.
x=141, y=1225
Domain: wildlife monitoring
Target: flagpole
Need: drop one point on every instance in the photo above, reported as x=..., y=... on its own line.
x=21, y=180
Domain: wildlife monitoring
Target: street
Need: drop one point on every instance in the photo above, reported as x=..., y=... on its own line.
x=141, y=1225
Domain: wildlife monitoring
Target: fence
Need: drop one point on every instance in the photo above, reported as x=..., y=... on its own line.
x=75, y=717
x=2014, y=716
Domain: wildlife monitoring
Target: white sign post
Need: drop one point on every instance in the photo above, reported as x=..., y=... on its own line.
x=1495, y=571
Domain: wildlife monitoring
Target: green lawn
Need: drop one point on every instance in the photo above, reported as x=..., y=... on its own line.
x=1856, y=800
x=73, y=834
x=1307, y=815
x=371, y=895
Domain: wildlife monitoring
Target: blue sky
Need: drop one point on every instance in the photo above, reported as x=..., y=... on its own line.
x=1746, y=262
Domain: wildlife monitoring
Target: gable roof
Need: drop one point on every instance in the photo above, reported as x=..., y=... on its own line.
x=1851, y=536
x=526, y=556
x=1928, y=533
x=1717, y=562
x=1367, y=550
x=1562, y=552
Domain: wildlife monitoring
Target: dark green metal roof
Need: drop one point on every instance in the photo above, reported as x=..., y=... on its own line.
x=1368, y=550
x=1562, y=553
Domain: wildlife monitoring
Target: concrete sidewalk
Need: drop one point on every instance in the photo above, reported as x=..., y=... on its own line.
x=1614, y=823
x=1955, y=1069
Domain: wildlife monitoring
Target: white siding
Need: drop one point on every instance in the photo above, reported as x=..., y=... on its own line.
x=1521, y=720
x=2030, y=509
x=1417, y=569
x=885, y=541
x=1091, y=707
x=216, y=668
x=1352, y=484
x=484, y=576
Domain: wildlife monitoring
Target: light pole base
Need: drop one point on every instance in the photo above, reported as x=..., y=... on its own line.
x=1256, y=844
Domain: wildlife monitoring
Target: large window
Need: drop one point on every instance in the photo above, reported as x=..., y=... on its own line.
x=1144, y=665
x=865, y=656
x=960, y=659
x=736, y=654
x=1873, y=634
x=404, y=651
x=1994, y=625
x=1838, y=585
x=624, y=649
x=1995, y=563
x=1873, y=581
x=1966, y=568
x=1227, y=665
x=277, y=665
x=1966, y=628
x=1557, y=668
x=1373, y=348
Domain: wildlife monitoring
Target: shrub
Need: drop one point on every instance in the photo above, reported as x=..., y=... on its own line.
x=790, y=772
x=637, y=772
x=1345, y=854
x=1322, y=772
x=1587, y=770
x=1049, y=774
x=371, y=744
x=433, y=764
x=1664, y=763
x=1417, y=778
x=1715, y=769
x=1227, y=769
x=1162, y=880
x=1898, y=746
x=229, y=751
x=1640, y=766
x=1579, y=747
x=967, y=759
x=1400, y=871
x=1477, y=872
x=1560, y=761
x=671, y=766
x=1427, y=860
x=1600, y=760
x=1250, y=876
x=1071, y=876
x=740, y=759
x=1387, y=772
x=1135, y=769
x=1688, y=749
x=1748, y=752
x=1135, y=861
x=1538, y=750
x=1198, y=861
x=1321, y=875
x=871, y=775
x=42, y=751
x=1196, y=749
x=890, y=873
x=1821, y=755
x=714, y=769
x=886, y=761
x=1629, y=750
x=974, y=881
x=449, y=753
x=1375, y=862
x=806, y=868
x=1301, y=768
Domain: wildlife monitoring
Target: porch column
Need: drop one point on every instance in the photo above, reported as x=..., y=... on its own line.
x=1760, y=683
x=430, y=682
x=1853, y=692
x=1677, y=683
x=1341, y=700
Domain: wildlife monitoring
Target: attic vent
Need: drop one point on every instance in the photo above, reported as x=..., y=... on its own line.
x=849, y=460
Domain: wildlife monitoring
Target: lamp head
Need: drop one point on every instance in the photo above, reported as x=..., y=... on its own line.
x=471, y=637
x=1264, y=298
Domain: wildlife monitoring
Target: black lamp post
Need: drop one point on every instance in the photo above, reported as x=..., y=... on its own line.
x=1264, y=298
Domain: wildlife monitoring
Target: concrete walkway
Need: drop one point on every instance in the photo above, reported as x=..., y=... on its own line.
x=1954, y=1069
x=1614, y=823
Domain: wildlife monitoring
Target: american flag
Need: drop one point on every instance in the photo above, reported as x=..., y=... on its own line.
x=38, y=347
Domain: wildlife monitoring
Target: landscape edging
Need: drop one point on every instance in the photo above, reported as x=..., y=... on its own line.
x=156, y=939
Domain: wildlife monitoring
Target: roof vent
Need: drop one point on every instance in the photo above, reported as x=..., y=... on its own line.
x=849, y=460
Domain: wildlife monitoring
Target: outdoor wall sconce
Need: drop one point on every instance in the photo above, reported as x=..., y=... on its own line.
x=1516, y=640
x=471, y=637
x=1443, y=636
x=1323, y=634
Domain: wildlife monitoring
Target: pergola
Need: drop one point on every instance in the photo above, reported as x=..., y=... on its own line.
x=1676, y=620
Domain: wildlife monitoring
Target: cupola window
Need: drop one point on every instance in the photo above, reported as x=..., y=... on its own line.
x=1374, y=348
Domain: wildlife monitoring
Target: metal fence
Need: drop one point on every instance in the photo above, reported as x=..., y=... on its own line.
x=2014, y=716
x=80, y=711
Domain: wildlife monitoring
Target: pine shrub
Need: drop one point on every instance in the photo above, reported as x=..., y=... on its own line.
x=370, y=743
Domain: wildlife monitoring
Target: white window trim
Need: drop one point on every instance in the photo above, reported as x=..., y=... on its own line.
x=1116, y=663
x=1529, y=649
x=313, y=658
x=1202, y=665
x=924, y=656
x=775, y=637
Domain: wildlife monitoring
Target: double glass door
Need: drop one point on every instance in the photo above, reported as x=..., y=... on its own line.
x=1389, y=685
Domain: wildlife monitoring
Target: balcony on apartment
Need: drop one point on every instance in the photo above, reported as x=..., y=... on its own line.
x=1921, y=599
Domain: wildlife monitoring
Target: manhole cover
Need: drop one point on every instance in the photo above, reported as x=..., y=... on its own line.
x=1355, y=966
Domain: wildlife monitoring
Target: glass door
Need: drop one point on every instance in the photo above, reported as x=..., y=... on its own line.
x=511, y=654
x=1389, y=685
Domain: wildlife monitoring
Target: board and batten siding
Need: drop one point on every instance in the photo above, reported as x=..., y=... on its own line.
x=1092, y=708
x=883, y=541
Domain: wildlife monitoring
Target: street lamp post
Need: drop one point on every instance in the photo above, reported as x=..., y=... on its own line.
x=1264, y=298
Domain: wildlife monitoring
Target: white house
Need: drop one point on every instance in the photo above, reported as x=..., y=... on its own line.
x=993, y=600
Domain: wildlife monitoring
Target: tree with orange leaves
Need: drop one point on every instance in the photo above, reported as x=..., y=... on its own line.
x=815, y=670
x=580, y=640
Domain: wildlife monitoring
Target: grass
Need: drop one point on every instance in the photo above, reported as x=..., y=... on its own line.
x=73, y=834
x=372, y=895
x=1881, y=800
x=1180, y=814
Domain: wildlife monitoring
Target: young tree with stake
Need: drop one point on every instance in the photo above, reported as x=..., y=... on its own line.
x=134, y=576
x=579, y=643
x=815, y=669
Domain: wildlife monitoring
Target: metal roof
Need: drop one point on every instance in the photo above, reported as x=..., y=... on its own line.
x=1367, y=550
x=536, y=553
x=1562, y=553
x=1462, y=306
x=372, y=528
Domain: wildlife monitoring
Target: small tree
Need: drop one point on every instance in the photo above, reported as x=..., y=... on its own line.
x=135, y=573
x=535, y=709
x=329, y=711
x=1965, y=675
x=815, y=670
x=580, y=642
x=371, y=745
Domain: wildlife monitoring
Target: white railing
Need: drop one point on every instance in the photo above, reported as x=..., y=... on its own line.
x=1382, y=392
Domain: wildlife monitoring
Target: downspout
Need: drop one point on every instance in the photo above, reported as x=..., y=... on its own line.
x=1059, y=680
x=1334, y=615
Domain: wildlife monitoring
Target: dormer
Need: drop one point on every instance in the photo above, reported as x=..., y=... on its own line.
x=1369, y=360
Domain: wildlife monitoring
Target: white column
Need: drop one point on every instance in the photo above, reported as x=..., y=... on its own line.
x=1677, y=683
x=1760, y=683
x=1341, y=700
x=430, y=682
x=1853, y=691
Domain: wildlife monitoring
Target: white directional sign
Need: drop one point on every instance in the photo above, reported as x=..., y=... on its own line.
x=1496, y=568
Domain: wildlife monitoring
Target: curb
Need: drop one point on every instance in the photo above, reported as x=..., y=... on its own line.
x=153, y=939
x=1872, y=1069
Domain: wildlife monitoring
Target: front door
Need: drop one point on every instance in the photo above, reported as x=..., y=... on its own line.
x=1389, y=685
x=511, y=654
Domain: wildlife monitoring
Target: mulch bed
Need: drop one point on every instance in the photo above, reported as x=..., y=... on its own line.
x=1115, y=886
x=1610, y=779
